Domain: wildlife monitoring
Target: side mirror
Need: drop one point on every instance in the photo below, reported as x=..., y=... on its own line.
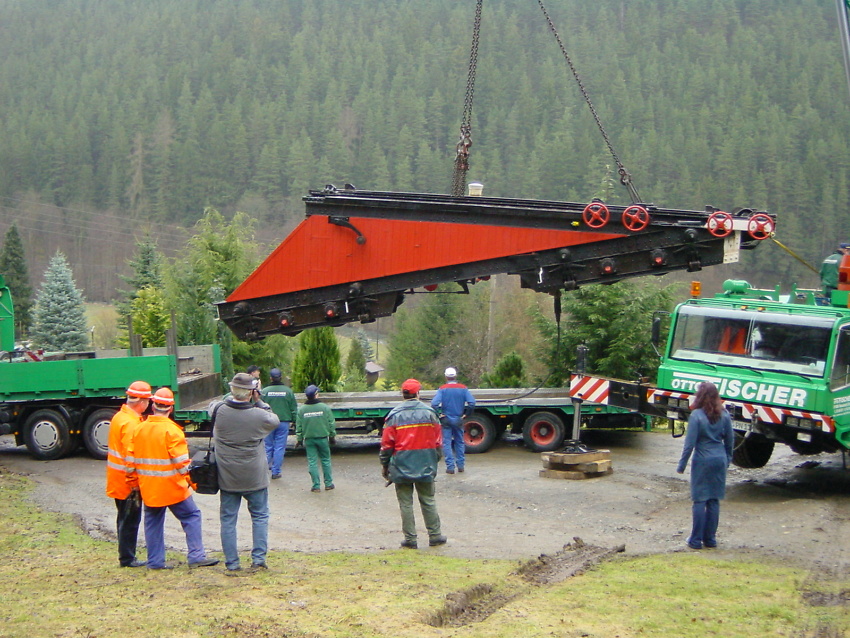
x=656, y=330
x=679, y=428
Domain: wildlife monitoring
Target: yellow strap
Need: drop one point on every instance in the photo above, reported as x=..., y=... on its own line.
x=795, y=256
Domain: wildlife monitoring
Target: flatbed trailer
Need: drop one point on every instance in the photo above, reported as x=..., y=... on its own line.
x=543, y=416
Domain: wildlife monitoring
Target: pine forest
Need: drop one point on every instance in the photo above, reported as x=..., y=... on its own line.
x=121, y=120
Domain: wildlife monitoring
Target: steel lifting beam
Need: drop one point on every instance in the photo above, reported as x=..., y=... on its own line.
x=359, y=253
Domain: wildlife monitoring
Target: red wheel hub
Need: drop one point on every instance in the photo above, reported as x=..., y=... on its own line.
x=542, y=432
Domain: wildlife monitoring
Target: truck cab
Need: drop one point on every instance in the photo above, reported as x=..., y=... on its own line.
x=780, y=362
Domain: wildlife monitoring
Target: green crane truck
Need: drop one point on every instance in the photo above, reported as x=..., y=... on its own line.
x=54, y=402
x=780, y=361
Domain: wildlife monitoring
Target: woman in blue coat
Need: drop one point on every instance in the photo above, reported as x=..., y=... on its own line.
x=709, y=438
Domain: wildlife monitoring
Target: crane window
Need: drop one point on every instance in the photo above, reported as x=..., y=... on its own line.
x=752, y=339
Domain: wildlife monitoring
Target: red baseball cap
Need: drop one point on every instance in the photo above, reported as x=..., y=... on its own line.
x=412, y=386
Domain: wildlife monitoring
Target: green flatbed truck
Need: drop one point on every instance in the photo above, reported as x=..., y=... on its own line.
x=543, y=416
x=55, y=402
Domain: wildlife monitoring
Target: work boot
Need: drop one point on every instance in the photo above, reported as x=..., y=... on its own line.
x=207, y=562
x=135, y=563
x=450, y=471
x=329, y=487
x=275, y=476
x=256, y=567
x=437, y=540
x=409, y=544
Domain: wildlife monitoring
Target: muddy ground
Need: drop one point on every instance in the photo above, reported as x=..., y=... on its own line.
x=796, y=508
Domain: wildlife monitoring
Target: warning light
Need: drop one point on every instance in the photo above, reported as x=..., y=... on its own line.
x=696, y=288
x=431, y=287
x=658, y=258
x=331, y=310
x=608, y=267
x=285, y=320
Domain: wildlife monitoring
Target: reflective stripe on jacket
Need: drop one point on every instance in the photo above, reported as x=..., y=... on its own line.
x=121, y=430
x=411, y=442
x=160, y=456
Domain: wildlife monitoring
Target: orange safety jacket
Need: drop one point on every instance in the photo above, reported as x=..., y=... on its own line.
x=160, y=457
x=119, y=483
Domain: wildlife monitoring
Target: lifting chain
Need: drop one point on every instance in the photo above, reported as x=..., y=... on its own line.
x=625, y=176
x=462, y=157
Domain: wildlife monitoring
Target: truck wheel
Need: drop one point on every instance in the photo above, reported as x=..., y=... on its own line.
x=47, y=435
x=479, y=433
x=96, y=432
x=543, y=432
x=751, y=450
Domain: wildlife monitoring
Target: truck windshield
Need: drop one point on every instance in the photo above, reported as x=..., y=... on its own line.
x=758, y=340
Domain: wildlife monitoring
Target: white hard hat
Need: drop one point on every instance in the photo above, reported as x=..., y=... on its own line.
x=451, y=372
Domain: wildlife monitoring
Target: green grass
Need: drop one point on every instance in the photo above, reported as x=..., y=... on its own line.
x=60, y=582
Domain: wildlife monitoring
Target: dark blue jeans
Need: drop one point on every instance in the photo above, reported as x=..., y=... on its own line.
x=706, y=515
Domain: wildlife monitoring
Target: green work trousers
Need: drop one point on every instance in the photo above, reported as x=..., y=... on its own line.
x=425, y=491
x=319, y=449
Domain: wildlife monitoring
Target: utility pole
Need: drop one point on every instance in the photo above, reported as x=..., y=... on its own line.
x=843, y=7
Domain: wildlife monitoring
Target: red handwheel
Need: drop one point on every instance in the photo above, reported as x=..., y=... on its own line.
x=719, y=223
x=635, y=218
x=760, y=226
x=596, y=215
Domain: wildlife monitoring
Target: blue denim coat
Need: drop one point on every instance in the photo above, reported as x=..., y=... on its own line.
x=711, y=445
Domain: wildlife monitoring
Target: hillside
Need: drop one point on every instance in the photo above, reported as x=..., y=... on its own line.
x=135, y=116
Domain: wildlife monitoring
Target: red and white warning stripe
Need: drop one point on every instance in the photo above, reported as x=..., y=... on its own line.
x=765, y=413
x=591, y=389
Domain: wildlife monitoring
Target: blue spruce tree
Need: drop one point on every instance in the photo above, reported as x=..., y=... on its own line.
x=60, y=314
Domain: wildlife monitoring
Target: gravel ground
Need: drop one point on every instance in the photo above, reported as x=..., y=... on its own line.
x=796, y=508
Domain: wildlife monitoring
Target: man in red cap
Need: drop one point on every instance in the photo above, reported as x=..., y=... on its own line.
x=120, y=485
x=410, y=450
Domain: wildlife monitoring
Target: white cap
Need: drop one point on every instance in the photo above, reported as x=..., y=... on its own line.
x=451, y=373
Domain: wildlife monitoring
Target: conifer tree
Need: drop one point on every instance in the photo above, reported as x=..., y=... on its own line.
x=355, y=368
x=59, y=319
x=317, y=361
x=13, y=266
x=509, y=372
x=365, y=345
x=150, y=317
x=147, y=265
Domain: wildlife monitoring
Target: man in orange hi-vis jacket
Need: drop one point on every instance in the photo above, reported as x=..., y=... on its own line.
x=160, y=457
x=119, y=485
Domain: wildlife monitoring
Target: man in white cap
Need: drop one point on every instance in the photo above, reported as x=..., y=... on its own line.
x=452, y=402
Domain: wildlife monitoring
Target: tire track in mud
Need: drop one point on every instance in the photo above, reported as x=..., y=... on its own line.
x=479, y=602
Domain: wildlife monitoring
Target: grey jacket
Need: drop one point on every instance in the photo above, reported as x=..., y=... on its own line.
x=239, y=431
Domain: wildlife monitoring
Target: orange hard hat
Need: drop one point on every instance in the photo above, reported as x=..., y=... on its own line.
x=163, y=396
x=139, y=390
